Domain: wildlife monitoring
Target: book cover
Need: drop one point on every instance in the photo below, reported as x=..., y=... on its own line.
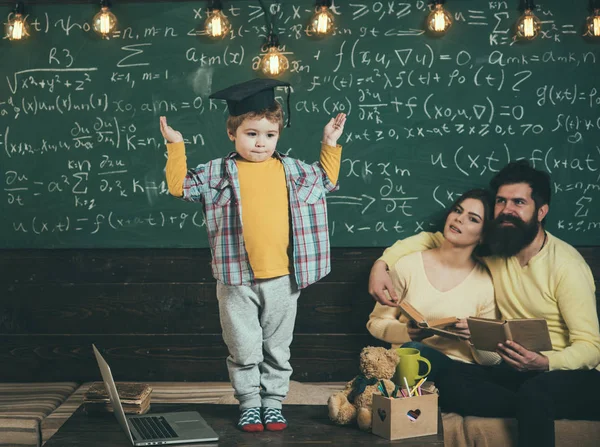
x=531, y=333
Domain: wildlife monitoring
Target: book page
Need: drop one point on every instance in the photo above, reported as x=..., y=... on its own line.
x=448, y=333
x=410, y=312
x=442, y=322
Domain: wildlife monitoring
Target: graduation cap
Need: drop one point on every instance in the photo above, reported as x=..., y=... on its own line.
x=252, y=96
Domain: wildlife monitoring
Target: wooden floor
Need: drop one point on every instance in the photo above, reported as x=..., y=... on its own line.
x=194, y=393
x=309, y=425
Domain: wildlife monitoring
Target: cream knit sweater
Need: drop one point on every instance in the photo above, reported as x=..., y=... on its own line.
x=474, y=296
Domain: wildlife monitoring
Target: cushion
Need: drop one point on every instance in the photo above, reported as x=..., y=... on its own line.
x=54, y=421
x=300, y=393
x=490, y=432
x=454, y=431
x=24, y=405
x=577, y=433
x=498, y=432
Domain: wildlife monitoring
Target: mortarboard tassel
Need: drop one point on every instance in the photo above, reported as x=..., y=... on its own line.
x=289, y=108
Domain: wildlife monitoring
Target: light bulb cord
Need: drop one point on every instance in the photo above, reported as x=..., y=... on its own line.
x=215, y=5
x=327, y=3
x=270, y=23
x=19, y=8
x=289, y=107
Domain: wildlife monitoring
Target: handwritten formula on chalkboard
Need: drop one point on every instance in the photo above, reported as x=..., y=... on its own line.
x=82, y=158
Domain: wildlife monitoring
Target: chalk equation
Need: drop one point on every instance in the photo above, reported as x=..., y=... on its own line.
x=82, y=159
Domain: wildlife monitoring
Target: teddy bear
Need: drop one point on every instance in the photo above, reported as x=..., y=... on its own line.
x=355, y=402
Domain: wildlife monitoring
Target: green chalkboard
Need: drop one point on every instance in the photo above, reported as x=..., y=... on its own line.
x=82, y=159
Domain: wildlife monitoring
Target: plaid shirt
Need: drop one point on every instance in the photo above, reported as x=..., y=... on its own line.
x=215, y=184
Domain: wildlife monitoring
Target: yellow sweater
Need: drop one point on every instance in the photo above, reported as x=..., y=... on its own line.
x=474, y=296
x=264, y=204
x=556, y=284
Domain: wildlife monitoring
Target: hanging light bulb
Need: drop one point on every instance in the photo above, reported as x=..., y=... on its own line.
x=528, y=25
x=217, y=25
x=105, y=22
x=273, y=62
x=321, y=23
x=438, y=20
x=593, y=24
x=16, y=25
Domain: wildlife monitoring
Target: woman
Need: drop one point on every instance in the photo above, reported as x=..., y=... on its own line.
x=443, y=282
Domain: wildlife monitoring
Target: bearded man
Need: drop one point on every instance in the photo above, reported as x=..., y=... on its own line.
x=535, y=275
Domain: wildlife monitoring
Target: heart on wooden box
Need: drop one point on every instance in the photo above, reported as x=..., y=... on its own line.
x=413, y=415
x=382, y=414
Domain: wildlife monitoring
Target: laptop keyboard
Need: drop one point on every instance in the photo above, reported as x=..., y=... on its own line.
x=152, y=427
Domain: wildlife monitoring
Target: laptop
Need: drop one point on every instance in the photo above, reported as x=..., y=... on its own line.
x=155, y=429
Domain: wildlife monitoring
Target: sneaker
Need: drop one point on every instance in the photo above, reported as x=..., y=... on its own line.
x=250, y=420
x=273, y=419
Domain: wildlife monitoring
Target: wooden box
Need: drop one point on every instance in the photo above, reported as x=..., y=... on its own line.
x=407, y=417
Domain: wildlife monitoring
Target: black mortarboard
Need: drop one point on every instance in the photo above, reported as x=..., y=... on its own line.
x=251, y=96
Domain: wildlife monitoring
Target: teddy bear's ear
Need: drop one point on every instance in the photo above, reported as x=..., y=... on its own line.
x=393, y=355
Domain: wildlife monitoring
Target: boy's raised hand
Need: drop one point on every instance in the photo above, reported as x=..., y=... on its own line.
x=333, y=130
x=169, y=134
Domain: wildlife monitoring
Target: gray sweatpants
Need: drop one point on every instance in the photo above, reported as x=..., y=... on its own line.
x=258, y=325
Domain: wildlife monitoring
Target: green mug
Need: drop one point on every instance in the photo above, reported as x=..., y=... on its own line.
x=408, y=366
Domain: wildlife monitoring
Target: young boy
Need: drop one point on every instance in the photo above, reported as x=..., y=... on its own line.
x=266, y=219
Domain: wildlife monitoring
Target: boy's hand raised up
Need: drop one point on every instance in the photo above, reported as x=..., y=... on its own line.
x=169, y=134
x=333, y=130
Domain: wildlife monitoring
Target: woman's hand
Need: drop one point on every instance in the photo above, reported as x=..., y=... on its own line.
x=416, y=333
x=333, y=130
x=168, y=133
x=461, y=327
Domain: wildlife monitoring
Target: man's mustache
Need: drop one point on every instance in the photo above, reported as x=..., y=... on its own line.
x=509, y=219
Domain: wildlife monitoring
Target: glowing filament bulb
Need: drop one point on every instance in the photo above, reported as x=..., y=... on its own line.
x=17, y=32
x=593, y=24
x=321, y=22
x=17, y=27
x=217, y=29
x=217, y=25
x=439, y=20
x=274, y=63
x=528, y=26
x=105, y=22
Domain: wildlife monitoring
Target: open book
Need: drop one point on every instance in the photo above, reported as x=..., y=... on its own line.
x=531, y=333
x=438, y=326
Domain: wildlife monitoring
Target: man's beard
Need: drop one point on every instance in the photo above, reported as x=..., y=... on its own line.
x=507, y=241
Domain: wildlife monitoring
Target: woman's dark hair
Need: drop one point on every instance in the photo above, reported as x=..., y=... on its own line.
x=484, y=196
